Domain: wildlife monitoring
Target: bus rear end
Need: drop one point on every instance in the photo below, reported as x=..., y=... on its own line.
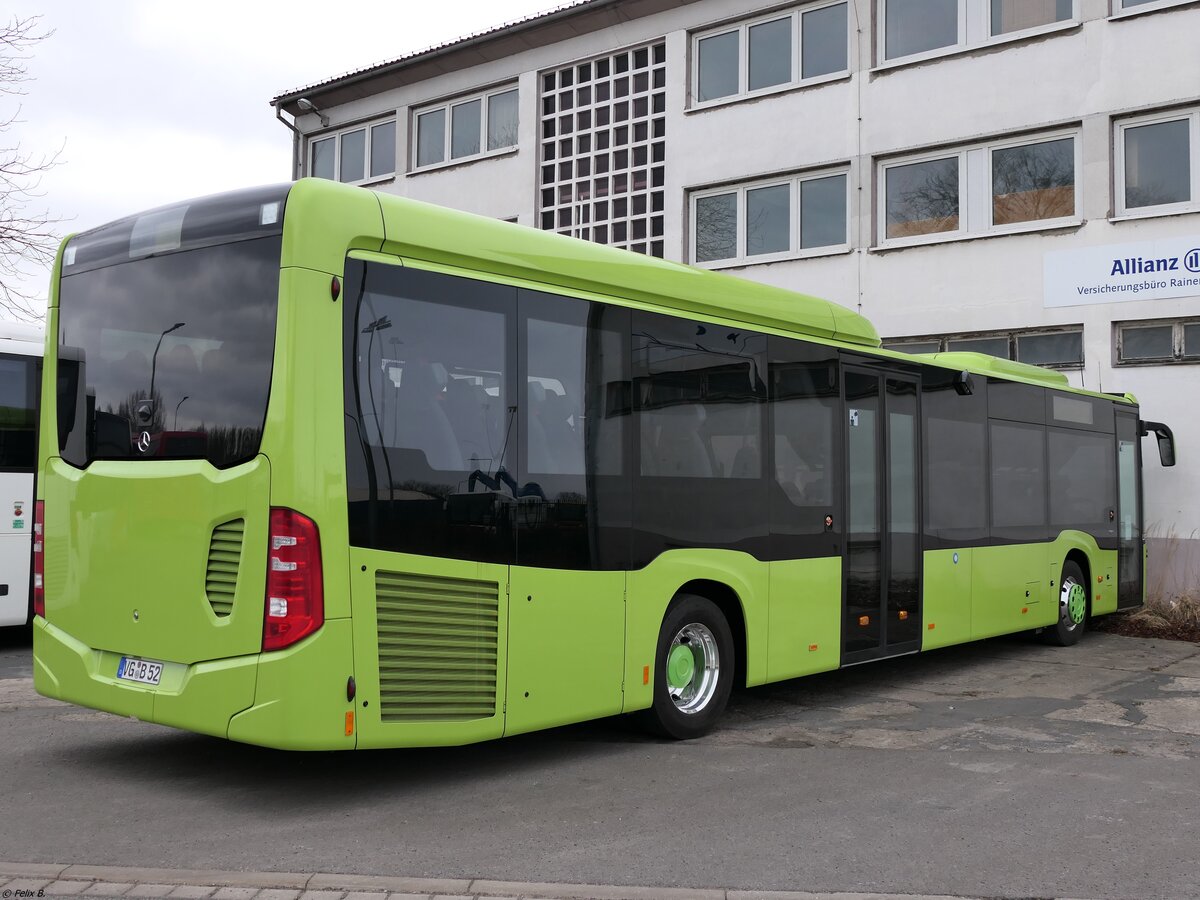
x=180, y=583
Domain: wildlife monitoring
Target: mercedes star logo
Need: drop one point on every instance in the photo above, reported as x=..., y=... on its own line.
x=143, y=442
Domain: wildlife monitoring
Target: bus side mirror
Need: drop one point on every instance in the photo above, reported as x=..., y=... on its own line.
x=1165, y=438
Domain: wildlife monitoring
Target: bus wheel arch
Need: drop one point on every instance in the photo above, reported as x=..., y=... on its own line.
x=695, y=663
x=729, y=603
x=1074, y=601
x=1080, y=559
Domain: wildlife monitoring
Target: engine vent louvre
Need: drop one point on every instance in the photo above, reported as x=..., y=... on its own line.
x=224, y=559
x=437, y=647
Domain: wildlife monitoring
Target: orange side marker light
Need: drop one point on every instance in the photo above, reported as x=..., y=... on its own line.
x=1099, y=579
x=1024, y=609
x=812, y=647
x=350, y=723
x=903, y=615
x=930, y=626
x=864, y=620
x=645, y=674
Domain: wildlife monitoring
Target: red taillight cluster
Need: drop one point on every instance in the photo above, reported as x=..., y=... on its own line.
x=39, y=558
x=295, y=605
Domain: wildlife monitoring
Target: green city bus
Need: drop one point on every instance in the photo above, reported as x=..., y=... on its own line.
x=322, y=468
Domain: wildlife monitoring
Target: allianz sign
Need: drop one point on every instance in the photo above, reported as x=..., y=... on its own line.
x=1164, y=269
x=1136, y=266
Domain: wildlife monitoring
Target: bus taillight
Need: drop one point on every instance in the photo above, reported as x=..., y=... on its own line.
x=39, y=559
x=295, y=604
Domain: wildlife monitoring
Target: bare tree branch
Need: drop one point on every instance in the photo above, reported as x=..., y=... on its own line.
x=27, y=232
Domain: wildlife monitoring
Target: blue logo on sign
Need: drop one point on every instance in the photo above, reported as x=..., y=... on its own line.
x=1192, y=260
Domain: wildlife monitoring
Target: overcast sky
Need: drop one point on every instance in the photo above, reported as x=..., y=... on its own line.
x=155, y=101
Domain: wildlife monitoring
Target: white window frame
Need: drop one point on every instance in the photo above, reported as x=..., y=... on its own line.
x=975, y=207
x=447, y=136
x=1120, y=126
x=1177, y=357
x=974, y=30
x=336, y=137
x=794, y=251
x=1121, y=10
x=742, y=29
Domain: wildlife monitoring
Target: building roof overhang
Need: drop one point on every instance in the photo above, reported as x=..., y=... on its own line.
x=567, y=21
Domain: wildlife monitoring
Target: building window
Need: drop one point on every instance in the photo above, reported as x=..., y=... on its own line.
x=1010, y=16
x=800, y=215
x=1060, y=348
x=1120, y=6
x=926, y=27
x=771, y=52
x=467, y=128
x=603, y=149
x=1012, y=185
x=355, y=155
x=1158, y=164
x=1157, y=341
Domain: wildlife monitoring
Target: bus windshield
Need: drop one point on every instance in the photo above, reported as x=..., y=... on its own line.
x=170, y=354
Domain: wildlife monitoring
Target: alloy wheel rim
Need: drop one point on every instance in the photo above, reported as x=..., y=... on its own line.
x=1072, y=603
x=693, y=668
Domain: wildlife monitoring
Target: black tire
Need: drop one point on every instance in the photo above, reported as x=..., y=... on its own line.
x=1072, y=601
x=695, y=623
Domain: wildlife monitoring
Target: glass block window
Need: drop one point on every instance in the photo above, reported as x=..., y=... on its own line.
x=602, y=149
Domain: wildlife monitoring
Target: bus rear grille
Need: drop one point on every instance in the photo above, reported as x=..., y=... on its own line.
x=437, y=647
x=224, y=557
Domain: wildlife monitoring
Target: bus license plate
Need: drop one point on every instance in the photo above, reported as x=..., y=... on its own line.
x=145, y=671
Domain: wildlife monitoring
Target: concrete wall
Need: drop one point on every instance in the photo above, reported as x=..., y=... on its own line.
x=1077, y=75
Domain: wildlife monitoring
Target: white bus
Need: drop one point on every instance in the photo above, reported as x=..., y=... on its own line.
x=20, y=367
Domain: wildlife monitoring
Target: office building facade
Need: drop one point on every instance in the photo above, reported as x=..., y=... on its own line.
x=1019, y=177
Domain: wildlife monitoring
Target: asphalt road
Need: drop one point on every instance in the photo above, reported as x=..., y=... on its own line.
x=1000, y=769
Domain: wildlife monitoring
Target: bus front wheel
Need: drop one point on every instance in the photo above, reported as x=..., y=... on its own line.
x=1072, y=607
x=693, y=668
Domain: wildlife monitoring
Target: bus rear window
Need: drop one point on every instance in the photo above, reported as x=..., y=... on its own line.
x=173, y=353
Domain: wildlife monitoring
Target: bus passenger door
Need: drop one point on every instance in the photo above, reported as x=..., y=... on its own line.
x=1129, y=519
x=881, y=613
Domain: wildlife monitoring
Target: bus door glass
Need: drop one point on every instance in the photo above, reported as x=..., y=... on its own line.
x=881, y=614
x=1129, y=532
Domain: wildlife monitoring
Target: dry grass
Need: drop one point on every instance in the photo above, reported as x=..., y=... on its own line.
x=1172, y=609
x=1174, y=618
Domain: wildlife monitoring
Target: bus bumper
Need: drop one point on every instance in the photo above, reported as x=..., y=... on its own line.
x=290, y=699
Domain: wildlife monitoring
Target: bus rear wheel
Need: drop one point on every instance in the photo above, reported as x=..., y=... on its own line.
x=693, y=668
x=1072, y=608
